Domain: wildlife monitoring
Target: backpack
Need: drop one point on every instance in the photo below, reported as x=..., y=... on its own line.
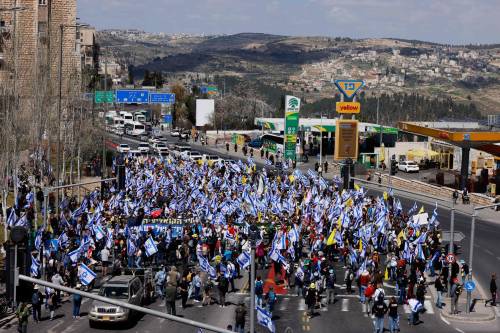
x=35, y=299
x=458, y=290
x=259, y=289
x=271, y=297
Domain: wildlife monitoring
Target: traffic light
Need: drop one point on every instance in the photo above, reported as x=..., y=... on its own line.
x=394, y=168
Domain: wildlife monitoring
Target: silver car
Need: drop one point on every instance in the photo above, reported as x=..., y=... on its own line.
x=126, y=288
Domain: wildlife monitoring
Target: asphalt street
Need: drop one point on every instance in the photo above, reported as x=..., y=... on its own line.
x=347, y=314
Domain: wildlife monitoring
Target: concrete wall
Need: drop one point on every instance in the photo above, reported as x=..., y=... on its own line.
x=432, y=190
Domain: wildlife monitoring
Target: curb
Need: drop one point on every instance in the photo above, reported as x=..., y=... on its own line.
x=460, y=318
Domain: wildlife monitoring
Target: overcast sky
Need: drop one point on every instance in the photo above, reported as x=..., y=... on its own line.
x=445, y=21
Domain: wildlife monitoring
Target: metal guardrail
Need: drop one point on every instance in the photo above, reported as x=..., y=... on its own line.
x=159, y=314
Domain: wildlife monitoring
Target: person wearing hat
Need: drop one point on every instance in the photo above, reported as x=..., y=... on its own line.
x=36, y=304
x=311, y=298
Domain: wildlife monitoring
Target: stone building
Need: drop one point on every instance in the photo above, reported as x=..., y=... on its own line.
x=30, y=44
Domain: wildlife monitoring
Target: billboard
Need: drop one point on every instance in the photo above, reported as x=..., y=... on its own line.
x=292, y=108
x=205, y=109
x=346, y=139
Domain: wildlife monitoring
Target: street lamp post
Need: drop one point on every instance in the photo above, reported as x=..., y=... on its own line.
x=59, y=104
x=253, y=235
x=471, y=249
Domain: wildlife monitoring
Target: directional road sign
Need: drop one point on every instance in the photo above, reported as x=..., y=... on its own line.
x=132, y=96
x=349, y=87
x=104, y=96
x=167, y=118
x=450, y=258
x=157, y=98
x=469, y=285
x=457, y=236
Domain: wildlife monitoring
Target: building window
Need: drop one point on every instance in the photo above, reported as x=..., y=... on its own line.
x=42, y=2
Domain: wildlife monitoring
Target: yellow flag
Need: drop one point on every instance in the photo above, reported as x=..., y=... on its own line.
x=386, y=275
x=339, y=223
x=360, y=245
x=349, y=202
x=401, y=236
x=331, y=238
x=291, y=178
x=385, y=196
x=356, y=187
x=243, y=180
x=421, y=211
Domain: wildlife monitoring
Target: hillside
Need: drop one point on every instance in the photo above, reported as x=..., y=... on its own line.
x=306, y=66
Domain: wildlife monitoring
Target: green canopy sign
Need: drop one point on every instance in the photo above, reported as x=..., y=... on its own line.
x=292, y=108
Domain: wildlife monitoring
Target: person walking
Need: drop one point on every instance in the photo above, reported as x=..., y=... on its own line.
x=456, y=290
x=22, y=314
x=52, y=301
x=170, y=295
x=223, y=286
x=271, y=300
x=440, y=289
x=416, y=307
x=311, y=299
x=160, y=277
x=183, y=287
x=77, y=302
x=330, y=286
x=348, y=278
x=393, y=315
x=36, y=304
x=105, y=261
x=493, y=291
x=259, y=291
x=240, y=314
x=379, y=310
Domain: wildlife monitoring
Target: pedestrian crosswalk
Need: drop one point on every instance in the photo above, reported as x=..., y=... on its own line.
x=343, y=303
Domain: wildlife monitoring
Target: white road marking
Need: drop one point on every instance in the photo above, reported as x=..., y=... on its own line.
x=52, y=329
x=459, y=330
x=428, y=307
x=446, y=321
x=302, y=305
x=345, y=305
x=488, y=251
x=363, y=309
x=284, y=304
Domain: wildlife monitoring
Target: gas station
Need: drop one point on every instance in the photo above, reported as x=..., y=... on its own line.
x=481, y=139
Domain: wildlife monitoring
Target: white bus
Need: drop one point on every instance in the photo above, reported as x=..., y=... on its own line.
x=134, y=128
x=139, y=117
x=127, y=116
x=118, y=125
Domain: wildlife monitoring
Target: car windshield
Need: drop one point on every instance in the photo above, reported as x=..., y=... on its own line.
x=411, y=163
x=114, y=292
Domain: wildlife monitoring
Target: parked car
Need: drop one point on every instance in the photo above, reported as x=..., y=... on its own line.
x=153, y=140
x=190, y=154
x=162, y=151
x=159, y=147
x=143, y=148
x=210, y=158
x=408, y=166
x=175, y=133
x=126, y=288
x=123, y=148
x=185, y=134
x=179, y=149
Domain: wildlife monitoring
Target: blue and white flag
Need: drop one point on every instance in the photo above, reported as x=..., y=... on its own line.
x=63, y=240
x=29, y=200
x=299, y=273
x=23, y=222
x=150, y=247
x=109, y=240
x=74, y=255
x=131, y=248
x=35, y=266
x=11, y=220
x=206, y=267
x=264, y=318
x=86, y=275
x=243, y=259
x=38, y=239
x=98, y=232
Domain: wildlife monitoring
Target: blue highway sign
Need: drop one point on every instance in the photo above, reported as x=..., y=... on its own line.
x=165, y=98
x=132, y=96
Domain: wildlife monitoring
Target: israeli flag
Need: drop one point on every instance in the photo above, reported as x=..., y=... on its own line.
x=86, y=275
x=35, y=266
x=206, y=267
x=11, y=220
x=300, y=274
x=74, y=255
x=29, y=199
x=131, y=248
x=243, y=260
x=38, y=240
x=264, y=318
x=63, y=240
x=150, y=247
x=99, y=232
x=109, y=241
x=23, y=222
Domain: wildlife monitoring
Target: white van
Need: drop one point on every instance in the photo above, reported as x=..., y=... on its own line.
x=134, y=128
x=127, y=116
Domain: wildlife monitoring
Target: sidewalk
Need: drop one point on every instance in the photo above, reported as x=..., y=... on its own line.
x=480, y=312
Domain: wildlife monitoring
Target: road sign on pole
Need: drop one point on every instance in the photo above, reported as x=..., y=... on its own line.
x=104, y=96
x=132, y=96
x=346, y=139
x=349, y=87
x=450, y=258
x=161, y=98
x=469, y=285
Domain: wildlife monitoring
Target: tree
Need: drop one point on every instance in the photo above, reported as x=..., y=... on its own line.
x=131, y=74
